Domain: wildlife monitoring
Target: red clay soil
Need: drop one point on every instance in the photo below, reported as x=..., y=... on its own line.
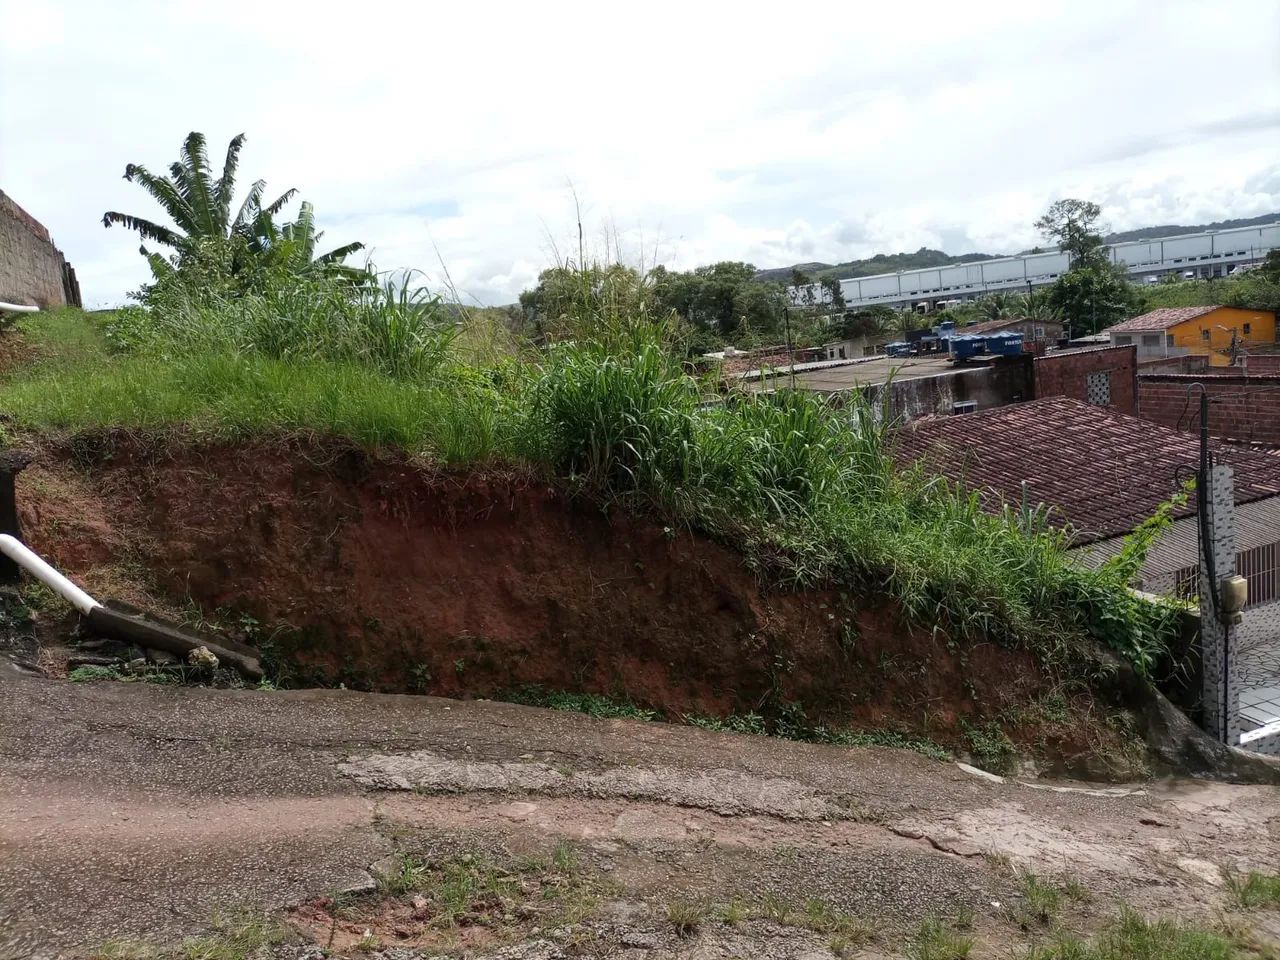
x=384, y=573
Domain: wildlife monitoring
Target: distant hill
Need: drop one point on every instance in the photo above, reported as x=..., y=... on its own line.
x=880, y=263
x=924, y=257
x=1174, y=230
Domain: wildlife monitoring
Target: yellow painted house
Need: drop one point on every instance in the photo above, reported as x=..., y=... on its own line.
x=1219, y=333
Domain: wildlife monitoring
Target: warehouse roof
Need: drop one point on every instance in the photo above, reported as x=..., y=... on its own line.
x=1161, y=319
x=1101, y=472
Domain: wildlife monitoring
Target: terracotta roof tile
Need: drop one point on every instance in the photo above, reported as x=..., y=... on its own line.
x=1161, y=319
x=1101, y=471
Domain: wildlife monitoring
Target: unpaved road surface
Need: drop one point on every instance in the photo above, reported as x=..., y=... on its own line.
x=142, y=811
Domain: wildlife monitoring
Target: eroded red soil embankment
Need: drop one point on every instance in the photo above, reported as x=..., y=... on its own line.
x=381, y=572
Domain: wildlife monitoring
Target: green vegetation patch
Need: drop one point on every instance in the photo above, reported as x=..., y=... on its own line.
x=1132, y=937
x=235, y=937
x=1253, y=890
x=804, y=487
x=592, y=704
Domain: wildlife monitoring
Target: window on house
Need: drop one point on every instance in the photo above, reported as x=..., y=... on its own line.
x=1151, y=340
x=1204, y=335
x=1122, y=339
x=842, y=356
x=1097, y=388
x=1168, y=340
x=1247, y=329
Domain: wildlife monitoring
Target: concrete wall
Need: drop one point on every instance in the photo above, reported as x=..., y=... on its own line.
x=32, y=269
x=1241, y=408
x=1066, y=374
x=1006, y=381
x=1187, y=364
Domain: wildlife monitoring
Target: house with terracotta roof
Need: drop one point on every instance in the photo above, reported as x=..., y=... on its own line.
x=1101, y=473
x=1222, y=334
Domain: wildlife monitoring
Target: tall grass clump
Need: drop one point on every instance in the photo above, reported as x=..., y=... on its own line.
x=809, y=490
x=391, y=325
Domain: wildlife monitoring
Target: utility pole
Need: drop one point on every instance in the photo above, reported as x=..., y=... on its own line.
x=791, y=354
x=1214, y=630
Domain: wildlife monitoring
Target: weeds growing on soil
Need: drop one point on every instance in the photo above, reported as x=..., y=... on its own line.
x=1131, y=937
x=232, y=938
x=936, y=940
x=1252, y=890
x=805, y=487
x=592, y=704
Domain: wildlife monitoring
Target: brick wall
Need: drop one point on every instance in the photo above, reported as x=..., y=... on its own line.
x=1066, y=374
x=1243, y=409
x=1188, y=364
x=32, y=269
x=1266, y=364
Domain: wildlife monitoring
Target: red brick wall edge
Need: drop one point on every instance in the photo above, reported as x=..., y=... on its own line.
x=1067, y=374
x=1242, y=409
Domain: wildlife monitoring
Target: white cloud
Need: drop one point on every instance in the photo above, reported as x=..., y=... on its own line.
x=694, y=131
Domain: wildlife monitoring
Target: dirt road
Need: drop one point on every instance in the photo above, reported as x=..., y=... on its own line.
x=142, y=811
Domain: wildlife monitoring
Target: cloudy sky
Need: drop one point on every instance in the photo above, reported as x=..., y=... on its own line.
x=459, y=133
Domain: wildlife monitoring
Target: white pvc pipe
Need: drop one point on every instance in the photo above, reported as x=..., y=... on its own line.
x=21, y=554
x=17, y=308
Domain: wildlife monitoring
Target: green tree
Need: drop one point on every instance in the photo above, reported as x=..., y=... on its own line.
x=291, y=248
x=722, y=297
x=1038, y=307
x=870, y=322
x=1094, y=293
x=198, y=205
x=1073, y=226
x=1000, y=306
x=212, y=238
x=835, y=295
x=1269, y=269
x=805, y=294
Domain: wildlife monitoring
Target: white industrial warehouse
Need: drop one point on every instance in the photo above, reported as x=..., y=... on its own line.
x=1197, y=255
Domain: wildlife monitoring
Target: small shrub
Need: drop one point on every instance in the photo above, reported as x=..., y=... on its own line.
x=1074, y=889
x=891, y=739
x=1131, y=937
x=686, y=916
x=565, y=857
x=1252, y=890
x=731, y=913
x=592, y=704
x=820, y=917
x=1041, y=899
x=936, y=940
x=408, y=875
x=88, y=673
x=992, y=750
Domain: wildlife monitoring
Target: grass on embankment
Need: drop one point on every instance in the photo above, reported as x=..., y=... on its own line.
x=806, y=490
x=76, y=384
